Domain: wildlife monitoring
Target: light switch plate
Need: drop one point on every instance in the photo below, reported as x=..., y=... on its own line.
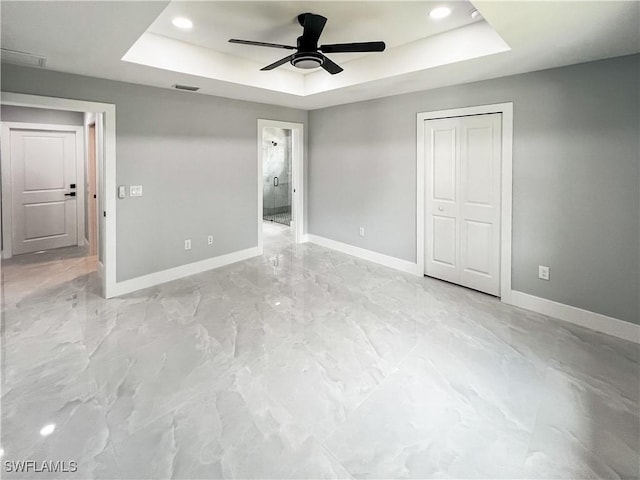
x=135, y=191
x=122, y=191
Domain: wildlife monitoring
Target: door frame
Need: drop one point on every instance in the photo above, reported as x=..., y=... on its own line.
x=108, y=268
x=7, y=187
x=297, y=177
x=506, y=184
x=92, y=185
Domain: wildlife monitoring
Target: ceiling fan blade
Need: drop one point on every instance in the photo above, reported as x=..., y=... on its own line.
x=313, y=26
x=282, y=61
x=261, y=44
x=353, y=47
x=331, y=66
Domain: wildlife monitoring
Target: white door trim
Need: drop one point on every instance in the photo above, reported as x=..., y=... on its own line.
x=297, y=166
x=109, y=111
x=7, y=201
x=506, y=185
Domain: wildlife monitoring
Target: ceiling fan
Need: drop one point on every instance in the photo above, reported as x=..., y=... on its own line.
x=309, y=54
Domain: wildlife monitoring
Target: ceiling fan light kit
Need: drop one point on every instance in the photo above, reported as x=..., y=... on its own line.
x=308, y=54
x=307, y=60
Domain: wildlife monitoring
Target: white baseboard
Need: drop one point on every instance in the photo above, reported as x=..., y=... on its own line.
x=578, y=316
x=182, y=271
x=386, y=260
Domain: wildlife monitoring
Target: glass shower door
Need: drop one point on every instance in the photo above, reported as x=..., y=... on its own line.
x=276, y=171
x=268, y=193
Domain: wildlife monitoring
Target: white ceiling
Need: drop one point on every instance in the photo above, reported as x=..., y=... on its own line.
x=91, y=38
x=396, y=23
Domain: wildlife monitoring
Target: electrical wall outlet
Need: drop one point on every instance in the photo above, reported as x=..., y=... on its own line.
x=362, y=231
x=210, y=240
x=187, y=244
x=543, y=272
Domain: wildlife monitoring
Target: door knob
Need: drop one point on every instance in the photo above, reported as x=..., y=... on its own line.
x=441, y=209
x=72, y=194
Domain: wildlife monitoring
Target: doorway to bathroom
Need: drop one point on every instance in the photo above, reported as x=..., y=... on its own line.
x=280, y=181
x=276, y=172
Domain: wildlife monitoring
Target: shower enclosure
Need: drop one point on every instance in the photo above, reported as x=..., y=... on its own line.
x=276, y=170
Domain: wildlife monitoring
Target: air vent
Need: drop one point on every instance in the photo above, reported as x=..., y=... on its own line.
x=188, y=88
x=22, y=58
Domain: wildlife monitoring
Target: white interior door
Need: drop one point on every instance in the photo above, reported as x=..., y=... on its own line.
x=462, y=224
x=43, y=171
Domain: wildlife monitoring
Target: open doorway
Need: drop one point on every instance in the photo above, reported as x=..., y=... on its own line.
x=49, y=197
x=280, y=183
x=105, y=118
x=277, y=190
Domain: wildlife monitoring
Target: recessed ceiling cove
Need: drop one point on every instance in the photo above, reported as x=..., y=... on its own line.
x=414, y=41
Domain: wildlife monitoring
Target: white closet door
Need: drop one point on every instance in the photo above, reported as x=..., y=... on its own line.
x=462, y=224
x=43, y=170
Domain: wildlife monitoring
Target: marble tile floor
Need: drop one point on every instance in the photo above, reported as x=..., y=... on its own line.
x=305, y=363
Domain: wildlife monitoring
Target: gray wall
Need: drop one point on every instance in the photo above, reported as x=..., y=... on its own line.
x=576, y=173
x=195, y=155
x=576, y=178
x=10, y=113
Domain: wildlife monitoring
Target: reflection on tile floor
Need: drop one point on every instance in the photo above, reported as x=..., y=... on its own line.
x=305, y=363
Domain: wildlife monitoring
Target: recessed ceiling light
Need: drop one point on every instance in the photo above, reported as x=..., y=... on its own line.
x=182, y=22
x=440, y=12
x=47, y=429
